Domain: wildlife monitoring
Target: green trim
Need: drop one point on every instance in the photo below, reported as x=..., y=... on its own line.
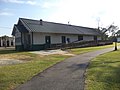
x=19, y=48
x=21, y=39
x=33, y=47
x=38, y=47
x=32, y=39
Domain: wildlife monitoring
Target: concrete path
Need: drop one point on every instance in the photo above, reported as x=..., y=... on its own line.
x=67, y=75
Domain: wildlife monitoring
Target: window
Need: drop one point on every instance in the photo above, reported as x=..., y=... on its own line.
x=63, y=39
x=95, y=38
x=48, y=39
x=80, y=38
x=68, y=40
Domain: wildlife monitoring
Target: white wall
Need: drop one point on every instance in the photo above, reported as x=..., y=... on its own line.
x=39, y=38
x=88, y=38
x=72, y=37
x=55, y=38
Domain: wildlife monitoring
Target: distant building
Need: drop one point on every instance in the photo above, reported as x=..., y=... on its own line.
x=118, y=36
x=38, y=34
x=6, y=41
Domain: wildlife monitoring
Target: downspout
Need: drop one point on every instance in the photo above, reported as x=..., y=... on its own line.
x=32, y=40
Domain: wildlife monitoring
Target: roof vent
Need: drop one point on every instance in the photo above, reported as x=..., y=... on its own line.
x=41, y=22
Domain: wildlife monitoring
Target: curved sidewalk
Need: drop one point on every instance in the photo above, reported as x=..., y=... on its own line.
x=66, y=75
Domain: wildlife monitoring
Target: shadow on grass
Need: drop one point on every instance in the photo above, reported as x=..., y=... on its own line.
x=75, y=67
x=107, y=72
x=8, y=51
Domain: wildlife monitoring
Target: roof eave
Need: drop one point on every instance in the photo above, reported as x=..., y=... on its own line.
x=25, y=25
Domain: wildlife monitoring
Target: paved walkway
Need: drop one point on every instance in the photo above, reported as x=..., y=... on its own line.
x=67, y=75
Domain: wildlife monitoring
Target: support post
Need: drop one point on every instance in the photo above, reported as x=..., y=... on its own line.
x=115, y=40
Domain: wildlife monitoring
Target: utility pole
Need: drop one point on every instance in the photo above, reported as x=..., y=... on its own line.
x=98, y=22
x=115, y=40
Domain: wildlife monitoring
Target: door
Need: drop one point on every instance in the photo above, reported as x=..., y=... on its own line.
x=27, y=42
x=95, y=38
x=47, y=41
x=63, y=39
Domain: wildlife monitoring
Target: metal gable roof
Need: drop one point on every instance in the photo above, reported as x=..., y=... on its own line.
x=50, y=27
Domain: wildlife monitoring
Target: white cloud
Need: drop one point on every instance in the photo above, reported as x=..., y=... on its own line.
x=13, y=1
x=6, y=14
x=50, y=4
x=85, y=12
x=30, y=2
x=78, y=12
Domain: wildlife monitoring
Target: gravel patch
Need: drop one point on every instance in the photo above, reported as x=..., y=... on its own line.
x=10, y=62
x=50, y=52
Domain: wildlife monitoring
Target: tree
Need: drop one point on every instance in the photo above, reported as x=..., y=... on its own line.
x=111, y=33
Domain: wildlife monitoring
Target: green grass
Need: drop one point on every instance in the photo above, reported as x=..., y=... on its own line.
x=14, y=75
x=104, y=72
x=89, y=49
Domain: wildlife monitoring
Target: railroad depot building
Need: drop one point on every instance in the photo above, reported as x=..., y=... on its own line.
x=39, y=35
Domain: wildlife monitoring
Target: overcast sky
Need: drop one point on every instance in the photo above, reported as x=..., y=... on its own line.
x=78, y=12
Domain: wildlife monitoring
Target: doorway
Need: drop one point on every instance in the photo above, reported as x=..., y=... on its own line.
x=63, y=39
x=47, y=41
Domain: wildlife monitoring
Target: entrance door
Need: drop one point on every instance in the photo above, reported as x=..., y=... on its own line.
x=95, y=38
x=63, y=39
x=27, y=42
x=47, y=41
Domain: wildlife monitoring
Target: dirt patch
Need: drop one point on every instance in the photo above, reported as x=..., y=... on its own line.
x=10, y=62
x=50, y=52
x=14, y=56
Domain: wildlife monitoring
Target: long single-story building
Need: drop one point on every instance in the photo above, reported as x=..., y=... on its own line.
x=38, y=34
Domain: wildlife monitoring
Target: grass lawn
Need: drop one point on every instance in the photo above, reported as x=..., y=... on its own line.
x=14, y=75
x=88, y=49
x=104, y=72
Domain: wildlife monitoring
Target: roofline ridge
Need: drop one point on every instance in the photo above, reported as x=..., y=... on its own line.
x=61, y=23
x=70, y=25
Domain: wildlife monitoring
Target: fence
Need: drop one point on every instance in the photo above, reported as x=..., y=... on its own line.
x=79, y=44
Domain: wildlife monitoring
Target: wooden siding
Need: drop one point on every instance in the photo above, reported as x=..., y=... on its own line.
x=17, y=38
x=39, y=38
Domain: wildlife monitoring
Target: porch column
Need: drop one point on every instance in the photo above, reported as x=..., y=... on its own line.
x=9, y=42
x=1, y=42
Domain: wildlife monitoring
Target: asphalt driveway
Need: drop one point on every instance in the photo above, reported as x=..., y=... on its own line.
x=67, y=75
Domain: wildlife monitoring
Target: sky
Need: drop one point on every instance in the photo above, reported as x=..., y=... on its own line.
x=85, y=13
